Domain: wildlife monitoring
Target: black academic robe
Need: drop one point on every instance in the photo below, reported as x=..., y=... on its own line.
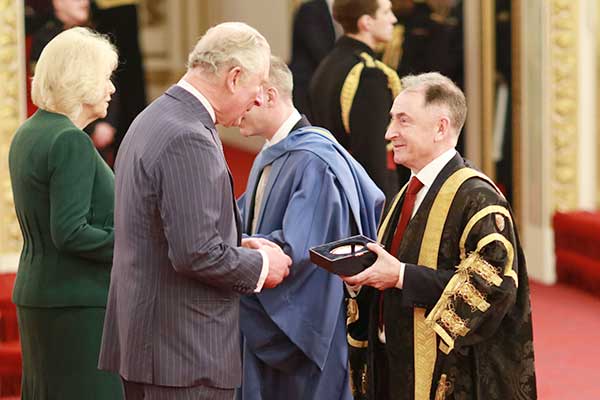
x=461, y=326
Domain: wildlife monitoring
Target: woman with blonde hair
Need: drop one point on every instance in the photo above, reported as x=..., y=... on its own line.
x=63, y=195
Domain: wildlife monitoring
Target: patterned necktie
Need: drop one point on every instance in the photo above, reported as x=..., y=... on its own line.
x=414, y=187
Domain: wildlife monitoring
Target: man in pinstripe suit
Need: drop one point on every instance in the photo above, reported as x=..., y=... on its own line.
x=171, y=328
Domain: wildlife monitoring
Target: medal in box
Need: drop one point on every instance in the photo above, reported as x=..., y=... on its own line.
x=344, y=257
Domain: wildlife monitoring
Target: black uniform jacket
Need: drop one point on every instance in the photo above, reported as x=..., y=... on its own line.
x=351, y=94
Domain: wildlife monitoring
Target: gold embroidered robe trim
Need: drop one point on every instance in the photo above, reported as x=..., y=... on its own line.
x=475, y=219
x=425, y=348
x=386, y=221
x=361, y=344
x=508, y=267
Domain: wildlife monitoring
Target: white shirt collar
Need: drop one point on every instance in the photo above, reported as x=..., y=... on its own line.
x=428, y=173
x=284, y=129
x=188, y=86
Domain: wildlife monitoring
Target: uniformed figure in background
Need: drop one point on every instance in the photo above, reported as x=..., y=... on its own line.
x=313, y=36
x=351, y=92
x=428, y=37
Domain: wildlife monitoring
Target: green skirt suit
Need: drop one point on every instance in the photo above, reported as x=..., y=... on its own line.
x=63, y=194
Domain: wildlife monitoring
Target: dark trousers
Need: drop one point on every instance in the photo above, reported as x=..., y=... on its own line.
x=144, y=391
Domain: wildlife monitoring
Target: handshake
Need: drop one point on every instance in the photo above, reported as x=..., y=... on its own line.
x=279, y=262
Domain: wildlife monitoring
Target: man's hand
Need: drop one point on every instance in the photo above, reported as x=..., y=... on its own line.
x=256, y=243
x=103, y=135
x=383, y=274
x=279, y=266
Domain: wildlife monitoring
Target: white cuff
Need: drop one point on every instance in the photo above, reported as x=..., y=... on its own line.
x=400, y=283
x=263, y=272
x=353, y=290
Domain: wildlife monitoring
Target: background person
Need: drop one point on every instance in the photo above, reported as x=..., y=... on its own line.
x=68, y=14
x=351, y=92
x=63, y=195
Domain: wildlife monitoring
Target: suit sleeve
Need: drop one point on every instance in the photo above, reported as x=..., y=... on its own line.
x=369, y=118
x=468, y=304
x=72, y=165
x=192, y=178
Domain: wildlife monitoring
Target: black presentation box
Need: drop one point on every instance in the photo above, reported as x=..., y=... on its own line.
x=344, y=257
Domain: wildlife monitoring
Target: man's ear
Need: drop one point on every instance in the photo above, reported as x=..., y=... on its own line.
x=232, y=79
x=364, y=23
x=443, y=129
x=271, y=96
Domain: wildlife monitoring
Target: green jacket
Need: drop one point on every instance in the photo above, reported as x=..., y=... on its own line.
x=63, y=193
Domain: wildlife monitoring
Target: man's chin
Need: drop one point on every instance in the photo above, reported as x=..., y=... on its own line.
x=234, y=123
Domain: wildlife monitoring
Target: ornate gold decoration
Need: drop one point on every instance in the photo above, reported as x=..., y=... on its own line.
x=453, y=323
x=359, y=344
x=564, y=94
x=473, y=297
x=480, y=215
x=348, y=92
x=11, y=102
x=510, y=255
x=425, y=329
x=442, y=389
x=424, y=333
x=351, y=311
x=477, y=265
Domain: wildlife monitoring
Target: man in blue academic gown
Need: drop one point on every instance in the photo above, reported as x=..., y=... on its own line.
x=304, y=190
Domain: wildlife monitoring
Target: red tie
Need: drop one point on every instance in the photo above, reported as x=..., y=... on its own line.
x=405, y=214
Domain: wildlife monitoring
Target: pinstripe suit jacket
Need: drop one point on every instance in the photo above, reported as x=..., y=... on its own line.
x=173, y=306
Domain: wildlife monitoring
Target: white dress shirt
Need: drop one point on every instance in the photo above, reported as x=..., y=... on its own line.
x=211, y=111
x=188, y=86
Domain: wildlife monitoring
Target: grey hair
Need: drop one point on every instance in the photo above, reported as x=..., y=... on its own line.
x=280, y=77
x=440, y=90
x=229, y=45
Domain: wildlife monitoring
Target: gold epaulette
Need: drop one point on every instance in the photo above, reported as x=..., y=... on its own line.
x=353, y=79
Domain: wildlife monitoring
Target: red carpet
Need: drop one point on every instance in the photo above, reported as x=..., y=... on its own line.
x=566, y=324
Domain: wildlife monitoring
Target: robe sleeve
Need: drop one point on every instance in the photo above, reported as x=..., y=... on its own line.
x=473, y=298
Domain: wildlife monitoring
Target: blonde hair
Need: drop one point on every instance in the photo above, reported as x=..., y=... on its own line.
x=440, y=90
x=229, y=45
x=280, y=77
x=72, y=71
